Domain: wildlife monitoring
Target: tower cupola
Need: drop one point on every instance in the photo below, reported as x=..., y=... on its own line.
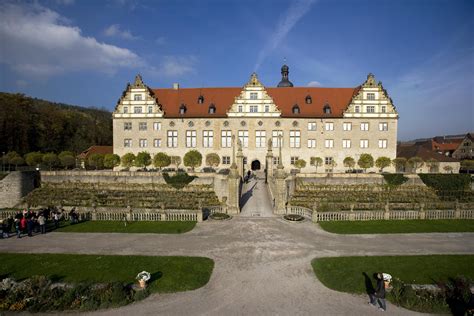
x=285, y=82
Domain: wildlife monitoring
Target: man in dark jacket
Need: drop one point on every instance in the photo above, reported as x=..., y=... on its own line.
x=379, y=295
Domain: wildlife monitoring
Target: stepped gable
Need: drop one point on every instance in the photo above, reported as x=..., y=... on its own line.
x=170, y=100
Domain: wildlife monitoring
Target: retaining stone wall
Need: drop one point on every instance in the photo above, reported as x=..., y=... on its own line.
x=16, y=185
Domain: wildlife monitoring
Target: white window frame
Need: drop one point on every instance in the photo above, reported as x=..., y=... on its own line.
x=267, y=108
x=127, y=142
x=157, y=142
x=226, y=160
x=142, y=126
x=244, y=138
x=312, y=126
x=347, y=126
x=137, y=97
x=253, y=96
x=346, y=143
x=172, y=139
x=275, y=139
x=125, y=109
x=328, y=161
x=142, y=143
x=253, y=108
x=383, y=126
x=191, y=136
x=293, y=160
x=383, y=109
x=364, y=126
x=383, y=143
x=329, y=126
x=260, y=139
x=226, y=139
x=364, y=143
x=357, y=109
x=295, y=139
x=240, y=108
x=312, y=143
x=137, y=109
x=127, y=126
x=276, y=160
x=370, y=96
x=157, y=126
x=370, y=108
x=329, y=143
x=150, y=109
x=208, y=138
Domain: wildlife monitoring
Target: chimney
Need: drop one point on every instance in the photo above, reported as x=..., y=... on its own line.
x=175, y=86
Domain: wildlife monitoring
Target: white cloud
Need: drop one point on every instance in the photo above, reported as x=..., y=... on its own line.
x=314, y=84
x=65, y=2
x=295, y=12
x=115, y=31
x=36, y=41
x=175, y=66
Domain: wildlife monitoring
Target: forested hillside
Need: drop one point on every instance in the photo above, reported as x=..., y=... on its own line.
x=30, y=124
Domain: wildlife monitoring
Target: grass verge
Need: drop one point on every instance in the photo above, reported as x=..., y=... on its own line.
x=398, y=226
x=169, y=274
x=132, y=227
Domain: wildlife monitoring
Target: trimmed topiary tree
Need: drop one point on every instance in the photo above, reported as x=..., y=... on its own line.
x=161, y=160
x=111, y=161
x=51, y=160
x=300, y=163
x=96, y=161
x=213, y=160
x=366, y=161
x=67, y=159
x=193, y=159
x=399, y=164
x=383, y=162
x=127, y=160
x=415, y=163
x=143, y=159
x=34, y=158
x=316, y=162
x=349, y=162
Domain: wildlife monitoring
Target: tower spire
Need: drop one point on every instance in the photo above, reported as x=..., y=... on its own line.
x=285, y=82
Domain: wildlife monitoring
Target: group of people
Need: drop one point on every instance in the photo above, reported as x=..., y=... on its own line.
x=27, y=222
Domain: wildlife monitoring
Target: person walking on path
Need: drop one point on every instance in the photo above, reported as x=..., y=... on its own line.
x=42, y=223
x=56, y=217
x=379, y=295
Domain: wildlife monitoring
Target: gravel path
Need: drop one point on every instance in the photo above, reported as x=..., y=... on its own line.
x=262, y=265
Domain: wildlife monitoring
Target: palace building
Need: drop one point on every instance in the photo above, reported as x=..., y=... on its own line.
x=306, y=122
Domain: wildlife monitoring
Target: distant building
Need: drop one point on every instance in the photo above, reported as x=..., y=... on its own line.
x=330, y=123
x=94, y=150
x=434, y=162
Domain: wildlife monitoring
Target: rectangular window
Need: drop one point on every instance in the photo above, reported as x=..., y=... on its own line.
x=172, y=140
x=137, y=109
x=226, y=139
x=329, y=126
x=311, y=143
x=260, y=139
x=384, y=109
x=329, y=143
x=364, y=143
x=253, y=95
x=157, y=142
x=267, y=108
x=253, y=108
x=142, y=126
x=226, y=160
x=241, y=108
x=311, y=126
x=364, y=126
x=370, y=109
x=244, y=138
x=137, y=97
x=208, y=139
x=370, y=96
x=157, y=126
x=127, y=126
x=346, y=143
x=190, y=139
x=328, y=161
x=293, y=160
x=143, y=143
x=382, y=143
x=150, y=109
x=127, y=142
x=276, y=160
x=295, y=139
x=277, y=141
x=357, y=109
x=125, y=109
x=347, y=126
x=383, y=126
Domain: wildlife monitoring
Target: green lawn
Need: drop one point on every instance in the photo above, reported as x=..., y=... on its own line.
x=399, y=226
x=132, y=227
x=169, y=274
x=345, y=274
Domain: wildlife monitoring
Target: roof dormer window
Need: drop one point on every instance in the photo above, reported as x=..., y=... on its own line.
x=308, y=99
x=327, y=109
x=212, y=109
x=182, y=109
x=200, y=99
x=296, y=109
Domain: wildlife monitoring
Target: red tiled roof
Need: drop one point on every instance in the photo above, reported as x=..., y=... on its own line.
x=284, y=98
x=445, y=146
x=409, y=151
x=96, y=150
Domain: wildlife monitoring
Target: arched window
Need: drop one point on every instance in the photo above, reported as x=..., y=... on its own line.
x=308, y=99
x=212, y=109
x=200, y=99
x=182, y=109
x=327, y=109
x=296, y=109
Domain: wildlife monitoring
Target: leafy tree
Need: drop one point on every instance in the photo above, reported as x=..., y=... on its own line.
x=161, y=160
x=415, y=163
x=143, y=159
x=382, y=163
x=448, y=169
x=349, y=162
x=127, y=160
x=433, y=165
x=316, y=161
x=111, y=161
x=34, y=158
x=51, y=160
x=17, y=161
x=176, y=160
x=213, y=160
x=96, y=161
x=12, y=158
x=300, y=163
x=193, y=159
x=366, y=161
x=399, y=164
x=67, y=159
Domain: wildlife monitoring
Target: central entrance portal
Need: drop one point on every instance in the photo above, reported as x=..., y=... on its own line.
x=255, y=165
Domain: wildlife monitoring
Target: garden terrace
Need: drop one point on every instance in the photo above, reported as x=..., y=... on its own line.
x=373, y=197
x=122, y=195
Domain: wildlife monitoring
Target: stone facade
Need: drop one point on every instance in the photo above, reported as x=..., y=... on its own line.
x=366, y=123
x=16, y=185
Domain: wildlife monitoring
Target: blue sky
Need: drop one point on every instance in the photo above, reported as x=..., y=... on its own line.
x=84, y=52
